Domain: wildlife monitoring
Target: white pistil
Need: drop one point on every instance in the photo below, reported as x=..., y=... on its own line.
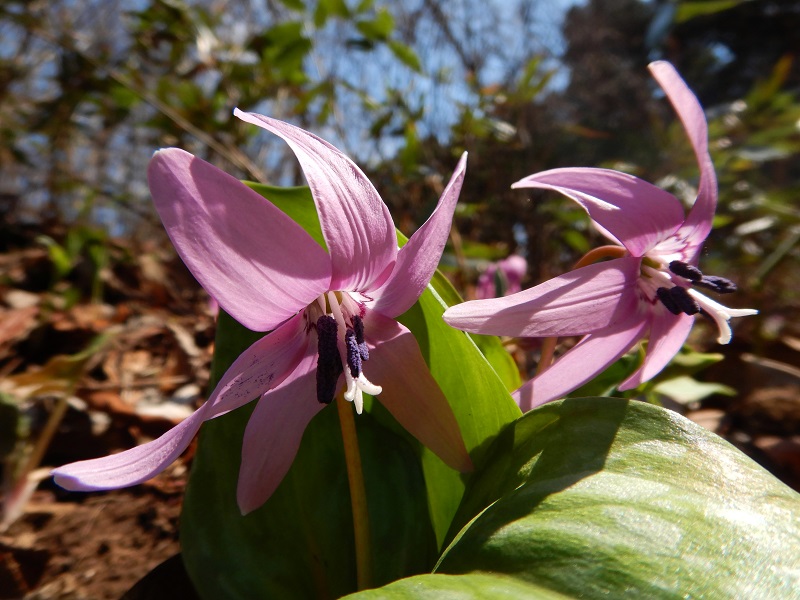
x=720, y=313
x=356, y=386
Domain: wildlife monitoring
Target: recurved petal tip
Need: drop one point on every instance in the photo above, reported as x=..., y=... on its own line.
x=411, y=394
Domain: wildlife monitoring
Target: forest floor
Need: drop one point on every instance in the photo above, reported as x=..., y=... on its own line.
x=82, y=378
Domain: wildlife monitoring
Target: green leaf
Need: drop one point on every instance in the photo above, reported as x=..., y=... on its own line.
x=686, y=390
x=296, y=202
x=474, y=586
x=406, y=55
x=62, y=261
x=479, y=398
x=608, y=498
x=689, y=10
x=326, y=8
x=378, y=28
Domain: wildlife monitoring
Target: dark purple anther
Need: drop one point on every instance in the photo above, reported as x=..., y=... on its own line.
x=685, y=270
x=358, y=329
x=666, y=299
x=717, y=284
x=329, y=363
x=680, y=296
x=353, y=353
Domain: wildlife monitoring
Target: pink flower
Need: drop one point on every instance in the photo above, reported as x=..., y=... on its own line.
x=331, y=314
x=649, y=291
x=502, y=278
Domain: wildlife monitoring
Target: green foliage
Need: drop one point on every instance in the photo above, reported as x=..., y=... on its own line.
x=86, y=251
x=474, y=586
x=688, y=10
x=598, y=498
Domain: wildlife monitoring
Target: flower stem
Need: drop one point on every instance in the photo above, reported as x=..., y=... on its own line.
x=358, y=494
x=548, y=350
x=595, y=254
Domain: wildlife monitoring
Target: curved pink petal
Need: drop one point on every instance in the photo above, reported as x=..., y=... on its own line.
x=274, y=431
x=410, y=392
x=131, y=466
x=698, y=222
x=633, y=211
x=262, y=366
x=418, y=259
x=357, y=226
x=253, y=259
x=576, y=303
x=668, y=332
x=581, y=363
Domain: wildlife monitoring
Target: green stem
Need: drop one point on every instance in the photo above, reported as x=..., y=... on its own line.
x=358, y=494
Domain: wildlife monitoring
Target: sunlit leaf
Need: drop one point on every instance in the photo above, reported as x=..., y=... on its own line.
x=608, y=498
x=473, y=586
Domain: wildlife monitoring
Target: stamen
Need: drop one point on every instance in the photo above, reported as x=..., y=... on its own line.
x=353, y=352
x=685, y=270
x=329, y=363
x=358, y=329
x=717, y=284
x=683, y=300
x=667, y=300
x=333, y=302
x=677, y=300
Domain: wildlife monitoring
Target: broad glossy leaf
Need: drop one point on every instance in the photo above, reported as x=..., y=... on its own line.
x=608, y=498
x=473, y=586
x=479, y=399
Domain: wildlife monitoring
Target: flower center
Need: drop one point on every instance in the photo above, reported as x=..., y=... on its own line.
x=341, y=347
x=680, y=296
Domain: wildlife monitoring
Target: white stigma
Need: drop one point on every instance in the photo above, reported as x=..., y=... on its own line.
x=720, y=313
x=356, y=386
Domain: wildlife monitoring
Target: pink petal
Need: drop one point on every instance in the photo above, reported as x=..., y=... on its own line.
x=357, y=226
x=667, y=334
x=131, y=466
x=698, y=222
x=633, y=211
x=579, y=302
x=274, y=431
x=410, y=392
x=262, y=366
x=581, y=363
x=253, y=259
x=418, y=259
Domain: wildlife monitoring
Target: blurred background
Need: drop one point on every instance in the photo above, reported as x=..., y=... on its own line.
x=105, y=338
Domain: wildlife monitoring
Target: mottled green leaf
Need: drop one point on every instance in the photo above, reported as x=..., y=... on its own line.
x=608, y=498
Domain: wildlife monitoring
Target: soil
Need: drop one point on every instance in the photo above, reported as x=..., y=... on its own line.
x=87, y=547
